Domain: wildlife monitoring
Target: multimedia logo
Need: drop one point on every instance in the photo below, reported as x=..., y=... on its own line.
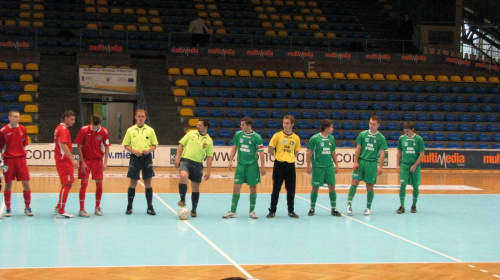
x=444, y=159
x=491, y=159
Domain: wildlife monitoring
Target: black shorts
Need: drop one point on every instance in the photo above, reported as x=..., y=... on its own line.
x=137, y=164
x=193, y=168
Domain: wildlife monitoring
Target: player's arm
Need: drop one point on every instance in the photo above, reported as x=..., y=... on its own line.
x=231, y=157
x=178, y=155
x=131, y=150
x=67, y=152
x=270, y=150
x=147, y=152
x=308, y=161
x=262, y=163
x=398, y=160
x=334, y=157
x=417, y=162
x=356, y=157
x=381, y=163
x=209, y=168
x=80, y=155
x=106, y=155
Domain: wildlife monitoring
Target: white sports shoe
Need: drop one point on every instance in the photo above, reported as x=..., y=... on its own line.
x=83, y=213
x=367, y=212
x=98, y=211
x=64, y=216
x=230, y=214
x=252, y=215
x=56, y=210
x=349, y=210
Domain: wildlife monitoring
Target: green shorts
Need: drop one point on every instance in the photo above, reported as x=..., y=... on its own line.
x=323, y=175
x=367, y=172
x=249, y=174
x=408, y=178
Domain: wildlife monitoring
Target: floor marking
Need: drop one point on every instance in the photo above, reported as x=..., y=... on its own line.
x=471, y=265
x=482, y=270
x=497, y=276
x=2, y=206
x=204, y=238
x=386, y=232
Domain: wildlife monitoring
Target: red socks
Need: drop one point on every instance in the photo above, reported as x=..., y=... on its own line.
x=98, y=194
x=63, y=196
x=27, y=198
x=7, y=196
x=83, y=191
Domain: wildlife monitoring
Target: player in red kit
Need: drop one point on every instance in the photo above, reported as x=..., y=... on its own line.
x=93, y=146
x=13, y=140
x=65, y=162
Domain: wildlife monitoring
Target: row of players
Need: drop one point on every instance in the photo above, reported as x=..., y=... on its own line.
x=196, y=146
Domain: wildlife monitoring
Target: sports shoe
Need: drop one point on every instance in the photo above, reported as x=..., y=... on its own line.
x=252, y=215
x=311, y=212
x=151, y=211
x=400, y=210
x=64, y=216
x=128, y=211
x=414, y=209
x=193, y=214
x=83, y=213
x=8, y=213
x=336, y=213
x=98, y=211
x=271, y=214
x=230, y=214
x=349, y=210
x=28, y=212
x=293, y=215
x=56, y=210
x=367, y=212
x=182, y=203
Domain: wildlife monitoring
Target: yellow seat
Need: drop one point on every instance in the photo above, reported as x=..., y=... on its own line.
x=258, y=73
x=469, y=79
x=404, y=77
x=32, y=129
x=89, y=2
x=255, y=2
x=4, y=66
x=188, y=102
x=230, y=73
x=270, y=33
x=214, y=15
x=25, y=119
x=103, y=10
x=10, y=22
x=321, y=19
x=312, y=4
x=391, y=77
x=331, y=35
x=365, y=76
x=267, y=24
x=155, y=20
x=31, y=108
x=217, y=23
x=179, y=92
x=29, y=139
x=493, y=80
x=270, y=9
x=457, y=79
x=285, y=74
x=25, y=6
x=220, y=31
x=193, y=122
x=319, y=34
x=188, y=71
x=325, y=75
x=244, y=73
x=201, y=72
x=31, y=88
x=267, y=2
x=312, y=75
x=216, y=72
x=90, y=10
x=153, y=12
x=142, y=20
x=303, y=26
x=37, y=23
x=274, y=17
x=301, y=3
x=187, y=112
x=203, y=14
x=157, y=28
x=443, y=78
x=24, y=23
x=282, y=33
x=481, y=79
x=305, y=11
x=116, y=10
x=271, y=74
x=262, y=16
x=299, y=75
x=26, y=78
x=352, y=76
x=298, y=18
x=316, y=11
x=339, y=76
x=92, y=25
x=309, y=18
x=38, y=15
x=430, y=78
x=16, y=66
x=378, y=77
x=279, y=25
x=286, y=17
x=259, y=9
x=181, y=83
x=140, y=11
x=289, y=3
x=32, y=66
x=278, y=3
x=102, y=2
x=128, y=11
x=24, y=97
x=96, y=66
x=417, y=78
x=25, y=15
x=211, y=7
x=144, y=28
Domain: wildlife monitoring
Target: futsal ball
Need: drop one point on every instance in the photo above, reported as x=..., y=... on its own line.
x=183, y=213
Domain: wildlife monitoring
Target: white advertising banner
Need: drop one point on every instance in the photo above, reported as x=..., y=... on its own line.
x=107, y=80
x=164, y=156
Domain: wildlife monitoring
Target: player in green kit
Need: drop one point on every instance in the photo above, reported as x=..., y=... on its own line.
x=321, y=152
x=250, y=148
x=371, y=146
x=411, y=150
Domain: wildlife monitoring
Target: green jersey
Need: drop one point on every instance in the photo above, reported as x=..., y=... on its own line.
x=410, y=148
x=371, y=144
x=248, y=144
x=196, y=146
x=322, y=149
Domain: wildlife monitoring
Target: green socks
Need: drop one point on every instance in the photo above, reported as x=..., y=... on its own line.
x=253, y=199
x=352, y=192
x=415, y=195
x=314, y=198
x=371, y=194
x=234, y=202
x=402, y=195
x=333, y=199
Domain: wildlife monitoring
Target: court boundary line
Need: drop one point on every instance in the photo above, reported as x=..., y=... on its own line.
x=2, y=207
x=222, y=253
x=387, y=232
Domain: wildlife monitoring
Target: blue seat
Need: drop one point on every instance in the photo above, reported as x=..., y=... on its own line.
x=452, y=145
x=459, y=108
x=336, y=135
x=445, y=108
x=273, y=124
x=281, y=95
x=212, y=133
x=351, y=96
x=393, y=97
x=253, y=84
x=247, y=113
x=258, y=123
x=491, y=118
x=349, y=87
x=389, y=87
x=380, y=115
x=252, y=94
x=303, y=125
x=391, y=107
x=295, y=85
x=277, y=114
x=438, y=136
x=267, y=95
x=233, y=103
x=429, y=88
x=210, y=83
x=393, y=116
x=281, y=85
x=449, y=127
x=422, y=117
x=486, y=108
x=426, y=136
x=364, y=116
x=225, y=133
x=482, y=146
x=478, y=127
x=392, y=144
x=432, y=98
x=267, y=84
x=334, y=105
x=239, y=84
x=435, y=127
x=496, y=146
x=420, y=126
x=304, y=134
x=263, y=104
x=350, y=116
x=436, y=117
x=295, y=95
x=277, y=104
x=201, y=113
x=362, y=125
x=391, y=126
x=416, y=88
x=335, y=115
x=394, y=136
x=363, y=87
x=406, y=98
x=349, y=135
x=438, y=145
x=494, y=90
x=292, y=104
x=217, y=113
x=335, y=86
x=226, y=123
x=483, y=137
x=203, y=103
x=404, y=107
x=248, y=104
x=464, y=118
x=306, y=105
x=323, y=96
x=15, y=88
x=453, y=137
x=348, y=126
x=463, y=127
x=307, y=115
x=378, y=97
x=469, y=137
x=432, y=107
x=418, y=107
x=455, y=89
x=337, y=96
x=309, y=85
x=232, y=114
x=446, y=98
x=481, y=90
x=239, y=94
x=492, y=128
x=8, y=97
x=322, y=86
x=265, y=143
x=218, y=103
x=346, y=144
x=442, y=89
x=376, y=87
x=472, y=108
x=495, y=137
x=219, y=142
x=270, y=133
x=349, y=106
x=309, y=95
x=321, y=115
x=450, y=117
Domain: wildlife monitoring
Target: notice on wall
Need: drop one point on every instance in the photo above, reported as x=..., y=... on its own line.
x=108, y=80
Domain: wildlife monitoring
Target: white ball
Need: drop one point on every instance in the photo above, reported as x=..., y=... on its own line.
x=183, y=213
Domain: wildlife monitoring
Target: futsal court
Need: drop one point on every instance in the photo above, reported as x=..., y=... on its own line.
x=454, y=234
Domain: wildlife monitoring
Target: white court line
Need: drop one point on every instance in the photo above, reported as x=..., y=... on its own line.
x=386, y=232
x=2, y=206
x=205, y=238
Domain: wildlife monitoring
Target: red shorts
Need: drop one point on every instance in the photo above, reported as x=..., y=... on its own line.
x=93, y=165
x=17, y=169
x=65, y=171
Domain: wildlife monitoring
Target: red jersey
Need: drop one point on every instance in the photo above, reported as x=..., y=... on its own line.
x=61, y=135
x=13, y=140
x=93, y=142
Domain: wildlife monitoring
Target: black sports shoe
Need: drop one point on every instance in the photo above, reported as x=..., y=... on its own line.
x=151, y=211
x=401, y=210
x=129, y=210
x=193, y=214
x=311, y=212
x=414, y=209
x=182, y=203
x=336, y=213
x=271, y=215
x=293, y=215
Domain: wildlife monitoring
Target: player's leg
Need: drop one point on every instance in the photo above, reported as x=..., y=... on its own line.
x=252, y=178
x=253, y=201
x=195, y=175
x=370, y=178
x=332, y=194
x=131, y=195
x=234, y=202
x=195, y=197
x=98, y=197
x=290, y=186
x=65, y=170
x=134, y=170
x=350, y=196
x=317, y=180
x=183, y=181
x=23, y=175
x=278, y=178
x=415, y=179
x=147, y=175
x=7, y=196
x=313, y=198
x=83, y=175
x=404, y=179
x=149, y=196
